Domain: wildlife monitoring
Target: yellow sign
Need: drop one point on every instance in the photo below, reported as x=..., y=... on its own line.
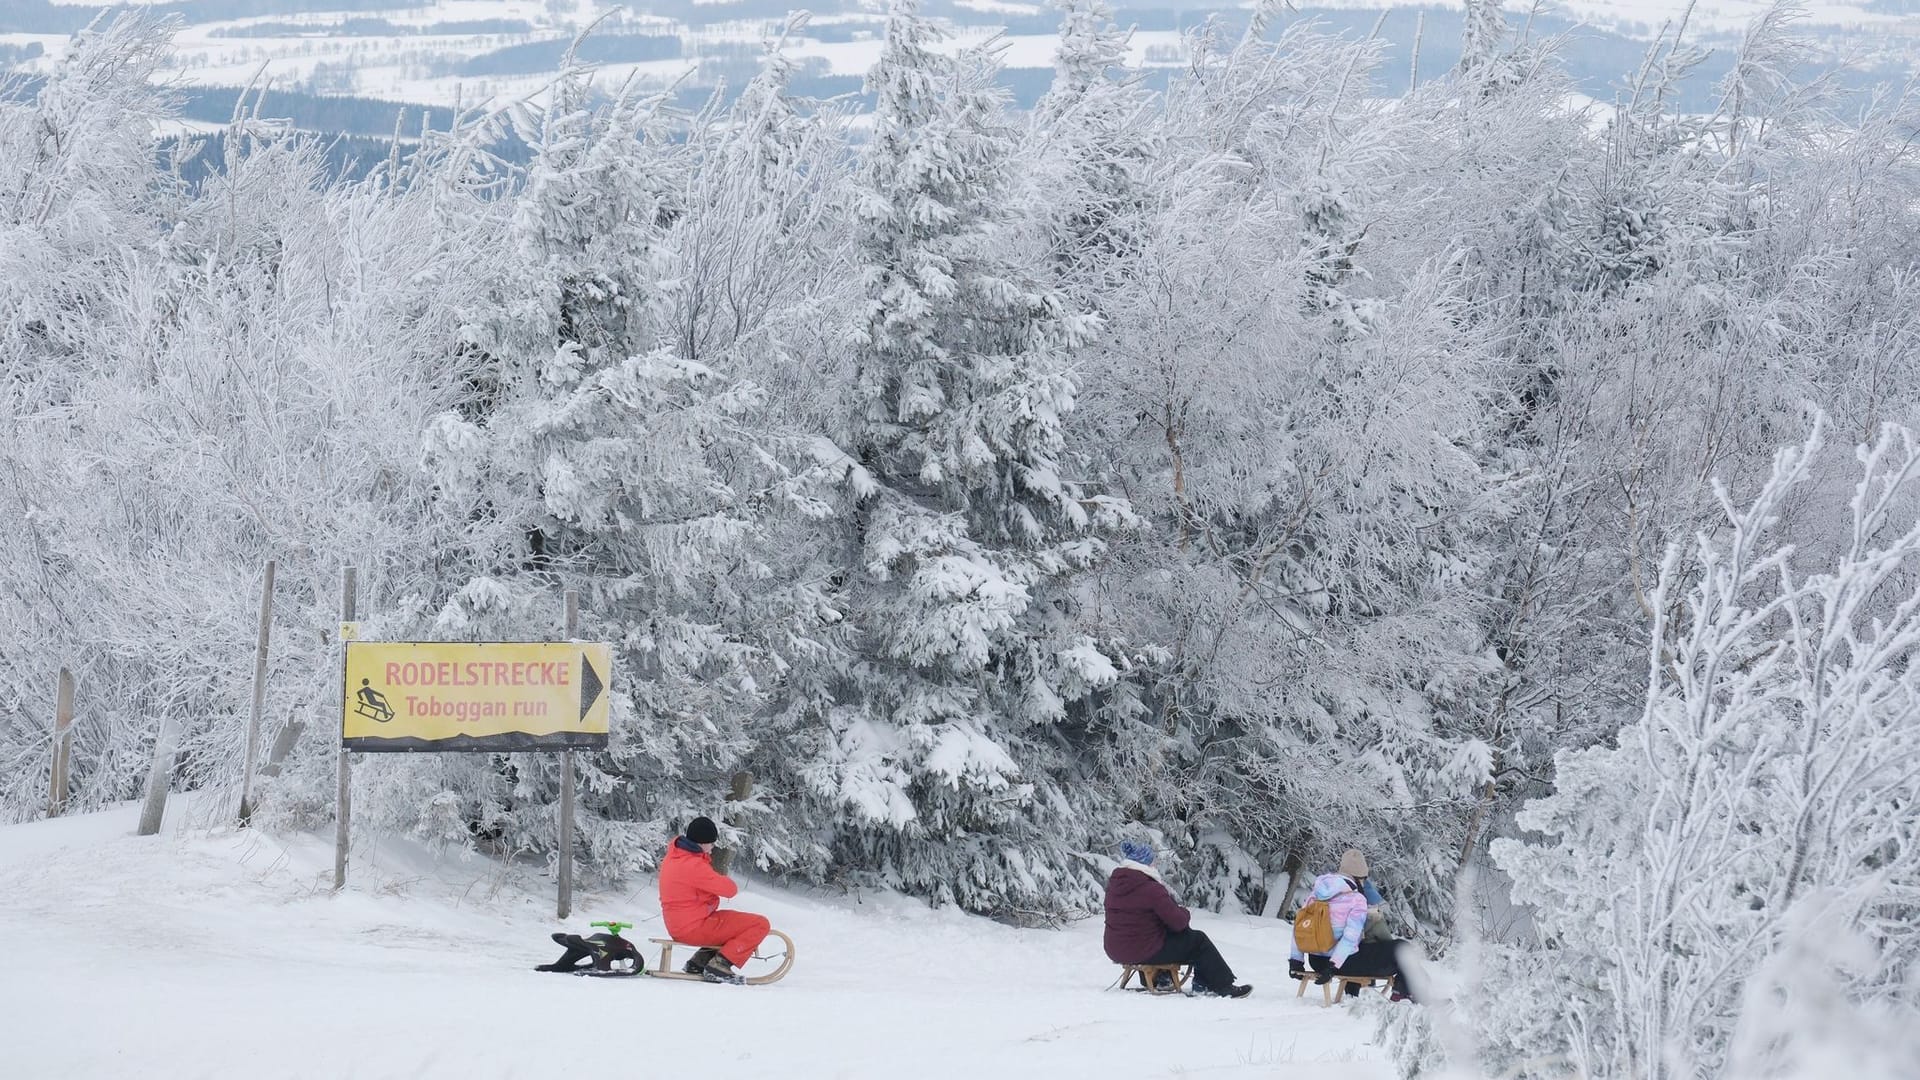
x=431, y=695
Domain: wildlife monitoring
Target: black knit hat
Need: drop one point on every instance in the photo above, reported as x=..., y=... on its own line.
x=701, y=831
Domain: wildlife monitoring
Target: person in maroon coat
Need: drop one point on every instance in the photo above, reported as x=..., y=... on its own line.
x=1145, y=926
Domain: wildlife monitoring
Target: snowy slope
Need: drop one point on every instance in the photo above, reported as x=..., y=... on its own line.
x=229, y=956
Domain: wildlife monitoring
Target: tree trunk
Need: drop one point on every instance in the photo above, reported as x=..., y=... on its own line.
x=741, y=789
x=1277, y=897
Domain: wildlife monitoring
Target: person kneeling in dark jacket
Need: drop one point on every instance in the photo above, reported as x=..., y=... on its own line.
x=1146, y=926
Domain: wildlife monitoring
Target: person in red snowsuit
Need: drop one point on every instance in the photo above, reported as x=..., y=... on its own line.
x=690, y=894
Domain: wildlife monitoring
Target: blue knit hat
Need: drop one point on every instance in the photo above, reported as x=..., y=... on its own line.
x=1136, y=851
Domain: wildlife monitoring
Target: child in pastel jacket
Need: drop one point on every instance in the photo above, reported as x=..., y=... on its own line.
x=1349, y=895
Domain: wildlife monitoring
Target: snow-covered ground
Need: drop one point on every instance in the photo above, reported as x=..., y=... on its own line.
x=229, y=955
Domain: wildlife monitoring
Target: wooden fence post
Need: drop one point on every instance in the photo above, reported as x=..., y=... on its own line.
x=159, y=778
x=566, y=784
x=62, y=743
x=283, y=742
x=741, y=788
x=259, y=697
x=343, y=803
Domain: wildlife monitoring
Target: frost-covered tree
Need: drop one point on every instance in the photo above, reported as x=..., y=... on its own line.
x=1290, y=395
x=1635, y=286
x=1763, y=797
x=760, y=253
x=244, y=377
x=76, y=179
x=951, y=752
x=1486, y=65
x=1089, y=155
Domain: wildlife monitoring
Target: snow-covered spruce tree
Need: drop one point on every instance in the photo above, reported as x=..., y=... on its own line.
x=951, y=756
x=592, y=455
x=1759, y=814
x=759, y=283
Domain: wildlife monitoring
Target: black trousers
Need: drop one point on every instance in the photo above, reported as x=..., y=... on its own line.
x=1377, y=958
x=1191, y=946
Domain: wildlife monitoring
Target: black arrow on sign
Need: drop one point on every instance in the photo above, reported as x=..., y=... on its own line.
x=590, y=687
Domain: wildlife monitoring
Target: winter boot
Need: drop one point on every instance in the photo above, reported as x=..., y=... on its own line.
x=699, y=962
x=720, y=969
x=1237, y=991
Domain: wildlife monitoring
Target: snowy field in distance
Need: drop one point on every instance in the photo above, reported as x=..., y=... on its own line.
x=196, y=956
x=448, y=52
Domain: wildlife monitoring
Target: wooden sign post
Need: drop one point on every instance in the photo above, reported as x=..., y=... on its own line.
x=343, y=802
x=565, y=906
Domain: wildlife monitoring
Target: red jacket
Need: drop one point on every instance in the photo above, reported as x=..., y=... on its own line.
x=1140, y=915
x=690, y=889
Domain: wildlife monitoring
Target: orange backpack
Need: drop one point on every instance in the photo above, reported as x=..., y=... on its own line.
x=1313, y=928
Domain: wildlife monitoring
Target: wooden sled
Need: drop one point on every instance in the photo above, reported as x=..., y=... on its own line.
x=1149, y=975
x=1335, y=988
x=666, y=969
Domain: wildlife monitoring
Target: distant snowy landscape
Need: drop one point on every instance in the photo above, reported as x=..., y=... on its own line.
x=489, y=53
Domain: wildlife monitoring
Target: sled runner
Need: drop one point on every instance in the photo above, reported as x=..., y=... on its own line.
x=768, y=965
x=1335, y=986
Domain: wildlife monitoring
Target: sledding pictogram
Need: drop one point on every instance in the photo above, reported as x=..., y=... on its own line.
x=371, y=703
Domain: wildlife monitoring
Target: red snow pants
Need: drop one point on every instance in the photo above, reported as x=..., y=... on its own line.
x=735, y=933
